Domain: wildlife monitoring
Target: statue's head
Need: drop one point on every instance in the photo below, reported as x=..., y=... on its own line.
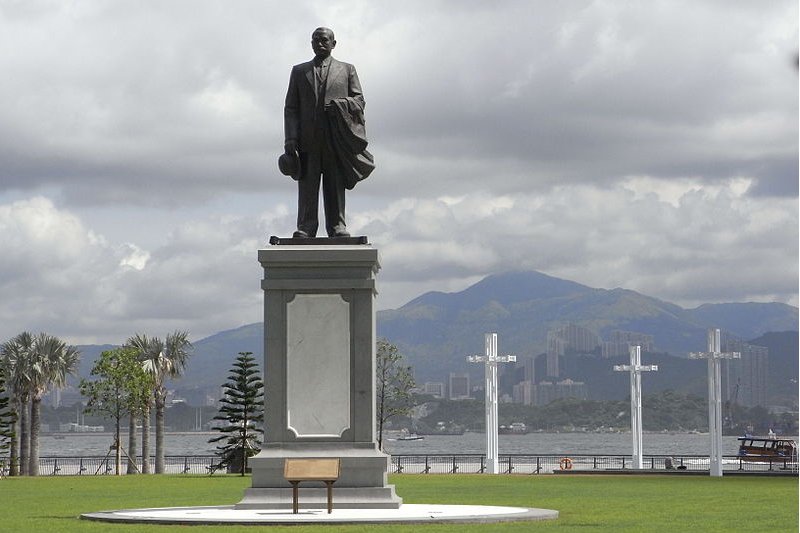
x=323, y=42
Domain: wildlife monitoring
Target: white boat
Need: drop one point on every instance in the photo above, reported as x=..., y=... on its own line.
x=405, y=435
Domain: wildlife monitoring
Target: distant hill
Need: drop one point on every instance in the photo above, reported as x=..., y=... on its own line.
x=436, y=331
x=212, y=358
x=89, y=354
x=747, y=320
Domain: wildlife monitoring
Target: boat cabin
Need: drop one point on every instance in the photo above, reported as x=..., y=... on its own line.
x=767, y=448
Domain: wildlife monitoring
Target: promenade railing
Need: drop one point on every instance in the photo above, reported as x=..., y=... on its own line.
x=429, y=464
x=548, y=463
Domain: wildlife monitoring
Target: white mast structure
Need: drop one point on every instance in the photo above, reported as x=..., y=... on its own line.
x=636, y=368
x=491, y=359
x=715, y=355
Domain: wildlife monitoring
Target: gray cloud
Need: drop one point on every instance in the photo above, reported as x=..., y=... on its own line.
x=713, y=244
x=683, y=243
x=651, y=146
x=184, y=100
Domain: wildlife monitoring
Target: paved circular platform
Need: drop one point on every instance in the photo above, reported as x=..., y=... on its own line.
x=411, y=513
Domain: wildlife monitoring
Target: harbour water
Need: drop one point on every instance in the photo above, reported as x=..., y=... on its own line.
x=88, y=444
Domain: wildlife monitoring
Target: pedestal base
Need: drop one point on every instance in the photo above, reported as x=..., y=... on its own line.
x=362, y=482
x=317, y=498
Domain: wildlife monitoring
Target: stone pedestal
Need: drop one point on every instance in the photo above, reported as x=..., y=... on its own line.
x=319, y=356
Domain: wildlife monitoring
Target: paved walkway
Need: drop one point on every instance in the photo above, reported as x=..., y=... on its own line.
x=411, y=513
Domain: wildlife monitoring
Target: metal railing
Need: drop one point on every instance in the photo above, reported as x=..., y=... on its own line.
x=427, y=464
x=547, y=463
x=105, y=465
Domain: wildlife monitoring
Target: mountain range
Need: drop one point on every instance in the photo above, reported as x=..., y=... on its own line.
x=436, y=331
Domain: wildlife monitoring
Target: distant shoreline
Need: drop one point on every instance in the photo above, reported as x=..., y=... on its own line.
x=111, y=433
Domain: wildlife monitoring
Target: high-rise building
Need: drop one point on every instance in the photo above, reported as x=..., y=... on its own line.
x=523, y=392
x=68, y=396
x=568, y=338
x=435, y=389
x=556, y=347
x=548, y=391
x=55, y=398
x=744, y=380
x=459, y=386
x=620, y=341
x=528, y=368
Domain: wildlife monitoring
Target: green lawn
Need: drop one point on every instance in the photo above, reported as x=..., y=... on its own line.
x=586, y=503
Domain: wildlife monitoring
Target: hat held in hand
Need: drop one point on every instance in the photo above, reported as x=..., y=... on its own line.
x=289, y=165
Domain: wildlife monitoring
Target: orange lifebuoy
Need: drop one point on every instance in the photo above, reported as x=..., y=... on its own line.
x=565, y=463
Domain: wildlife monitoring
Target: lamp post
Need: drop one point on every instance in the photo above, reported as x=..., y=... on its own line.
x=715, y=355
x=490, y=360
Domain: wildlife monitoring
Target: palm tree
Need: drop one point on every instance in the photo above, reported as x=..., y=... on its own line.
x=6, y=419
x=132, y=416
x=147, y=349
x=50, y=362
x=16, y=355
x=169, y=363
x=163, y=360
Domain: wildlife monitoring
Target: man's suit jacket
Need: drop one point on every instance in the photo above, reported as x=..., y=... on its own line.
x=299, y=118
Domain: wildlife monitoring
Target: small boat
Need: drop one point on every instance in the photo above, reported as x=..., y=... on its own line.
x=516, y=428
x=405, y=435
x=765, y=449
x=443, y=429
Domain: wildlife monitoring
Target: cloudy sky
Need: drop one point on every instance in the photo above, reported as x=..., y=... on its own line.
x=646, y=145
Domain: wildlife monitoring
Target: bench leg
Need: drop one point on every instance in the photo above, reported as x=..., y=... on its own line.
x=295, y=497
x=330, y=496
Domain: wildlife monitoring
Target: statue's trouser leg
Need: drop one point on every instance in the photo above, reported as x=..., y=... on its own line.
x=332, y=194
x=308, y=195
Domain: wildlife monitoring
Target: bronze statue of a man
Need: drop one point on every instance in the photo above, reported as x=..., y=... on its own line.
x=324, y=127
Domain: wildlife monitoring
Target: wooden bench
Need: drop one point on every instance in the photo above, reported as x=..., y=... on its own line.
x=297, y=470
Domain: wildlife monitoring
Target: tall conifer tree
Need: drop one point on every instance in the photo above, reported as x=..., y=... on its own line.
x=242, y=413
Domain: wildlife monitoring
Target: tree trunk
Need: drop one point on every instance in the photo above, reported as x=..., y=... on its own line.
x=24, y=438
x=33, y=457
x=244, y=445
x=13, y=469
x=117, y=446
x=381, y=399
x=146, y=440
x=160, y=401
x=132, y=444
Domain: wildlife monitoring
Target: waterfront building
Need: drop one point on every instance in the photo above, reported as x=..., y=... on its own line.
x=548, y=391
x=80, y=428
